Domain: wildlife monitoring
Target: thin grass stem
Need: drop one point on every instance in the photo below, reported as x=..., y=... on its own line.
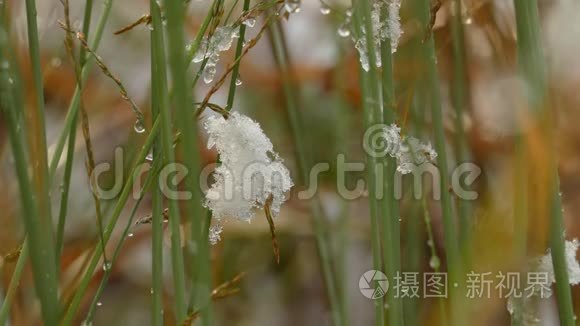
x=236, y=70
x=39, y=241
x=291, y=96
x=432, y=89
x=107, y=272
x=14, y=282
x=189, y=148
x=532, y=67
x=94, y=261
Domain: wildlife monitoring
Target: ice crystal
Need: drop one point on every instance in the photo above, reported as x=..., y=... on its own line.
x=250, y=22
x=409, y=151
x=382, y=29
x=250, y=171
x=393, y=25
x=215, y=233
x=210, y=48
x=523, y=308
x=545, y=263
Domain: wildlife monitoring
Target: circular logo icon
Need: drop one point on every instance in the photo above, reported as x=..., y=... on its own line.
x=381, y=140
x=373, y=284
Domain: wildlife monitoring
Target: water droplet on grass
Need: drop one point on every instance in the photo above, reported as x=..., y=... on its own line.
x=209, y=74
x=250, y=22
x=344, y=30
x=139, y=127
x=434, y=262
x=292, y=6
x=107, y=266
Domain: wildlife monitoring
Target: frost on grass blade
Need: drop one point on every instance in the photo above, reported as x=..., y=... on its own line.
x=214, y=235
x=410, y=152
x=384, y=28
x=393, y=24
x=525, y=308
x=250, y=170
x=210, y=48
x=545, y=264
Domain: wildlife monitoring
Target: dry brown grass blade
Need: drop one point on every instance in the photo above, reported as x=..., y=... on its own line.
x=223, y=290
x=145, y=19
x=268, y=212
x=122, y=90
x=90, y=161
x=149, y=218
x=13, y=255
x=435, y=6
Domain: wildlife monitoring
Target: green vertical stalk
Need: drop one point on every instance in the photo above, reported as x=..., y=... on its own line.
x=532, y=67
x=65, y=190
x=157, y=253
x=291, y=97
x=450, y=233
x=236, y=70
x=186, y=124
x=65, y=186
x=372, y=105
x=86, y=28
x=39, y=240
x=390, y=205
x=157, y=95
x=118, y=208
x=459, y=97
x=433, y=254
x=342, y=240
x=178, y=266
x=40, y=181
x=521, y=213
x=38, y=153
x=152, y=174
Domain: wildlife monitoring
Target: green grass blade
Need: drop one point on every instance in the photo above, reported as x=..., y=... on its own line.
x=157, y=94
x=39, y=241
x=532, y=67
x=236, y=70
x=127, y=188
x=186, y=124
x=14, y=282
x=459, y=97
x=97, y=297
x=432, y=90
